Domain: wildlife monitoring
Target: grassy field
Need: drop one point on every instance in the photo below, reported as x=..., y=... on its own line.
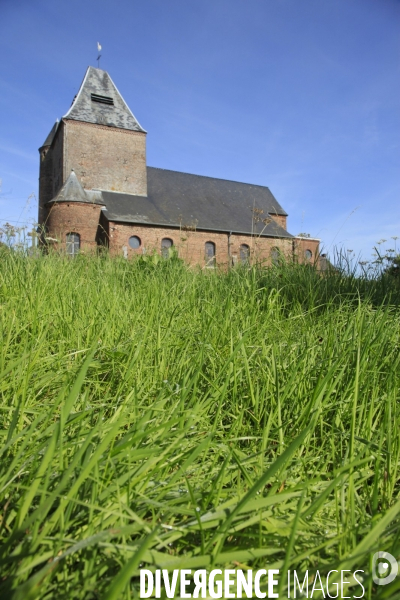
x=152, y=416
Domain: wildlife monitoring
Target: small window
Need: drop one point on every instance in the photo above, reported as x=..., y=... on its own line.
x=308, y=255
x=166, y=244
x=275, y=256
x=210, y=254
x=102, y=99
x=135, y=242
x=73, y=243
x=244, y=254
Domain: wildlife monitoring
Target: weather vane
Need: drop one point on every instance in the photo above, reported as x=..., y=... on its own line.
x=99, y=56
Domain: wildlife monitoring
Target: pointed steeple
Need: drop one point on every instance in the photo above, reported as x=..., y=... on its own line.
x=99, y=101
x=72, y=191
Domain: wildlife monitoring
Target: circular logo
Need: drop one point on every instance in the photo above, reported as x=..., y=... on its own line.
x=384, y=568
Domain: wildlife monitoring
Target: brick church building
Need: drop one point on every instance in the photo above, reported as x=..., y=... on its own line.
x=95, y=189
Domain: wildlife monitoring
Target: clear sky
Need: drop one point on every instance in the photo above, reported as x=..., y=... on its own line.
x=302, y=96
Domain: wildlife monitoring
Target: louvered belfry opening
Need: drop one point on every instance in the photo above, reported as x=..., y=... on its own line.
x=102, y=99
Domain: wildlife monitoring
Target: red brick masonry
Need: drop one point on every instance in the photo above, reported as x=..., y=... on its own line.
x=84, y=219
x=191, y=244
x=106, y=158
x=74, y=217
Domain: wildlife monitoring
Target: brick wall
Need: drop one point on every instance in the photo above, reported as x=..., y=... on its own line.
x=106, y=158
x=302, y=245
x=260, y=248
x=51, y=172
x=89, y=222
x=191, y=244
x=76, y=217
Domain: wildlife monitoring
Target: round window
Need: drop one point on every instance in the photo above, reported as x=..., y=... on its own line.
x=308, y=254
x=134, y=242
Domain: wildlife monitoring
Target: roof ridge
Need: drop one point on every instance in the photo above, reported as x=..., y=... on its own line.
x=265, y=187
x=51, y=135
x=123, y=100
x=74, y=101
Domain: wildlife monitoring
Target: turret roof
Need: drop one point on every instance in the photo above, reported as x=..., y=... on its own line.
x=72, y=191
x=99, y=101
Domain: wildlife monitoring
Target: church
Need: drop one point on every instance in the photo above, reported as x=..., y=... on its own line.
x=96, y=190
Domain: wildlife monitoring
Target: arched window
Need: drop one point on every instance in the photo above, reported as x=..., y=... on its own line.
x=276, y=256
x=135, y=242
x=308, y=255
x=73, y=243
x=244, y=254
x=166, y=244
x=210, y=254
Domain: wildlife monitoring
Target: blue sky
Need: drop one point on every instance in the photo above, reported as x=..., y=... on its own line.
x=300, y=96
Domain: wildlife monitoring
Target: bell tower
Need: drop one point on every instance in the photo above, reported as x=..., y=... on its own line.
x=99, y=139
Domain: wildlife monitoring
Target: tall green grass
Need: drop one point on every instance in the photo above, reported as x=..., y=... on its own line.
x=157, y=416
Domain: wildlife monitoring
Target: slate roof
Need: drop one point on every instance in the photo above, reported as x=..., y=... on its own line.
x=48, y=141
x=72, y=191
x=83, y=108
x=183, y=200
